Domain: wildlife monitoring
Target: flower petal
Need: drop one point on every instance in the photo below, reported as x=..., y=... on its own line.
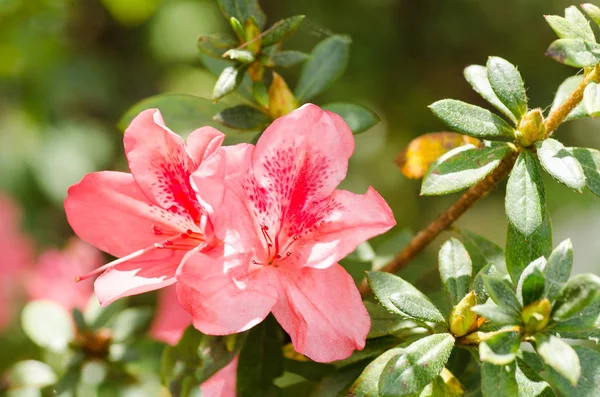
x=203, y=142
x=322, y=311
x=161, y=165
x=170, y=319
x=223, y=383
x=223, y=298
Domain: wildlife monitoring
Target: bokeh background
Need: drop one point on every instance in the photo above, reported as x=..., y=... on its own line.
x=70, y=69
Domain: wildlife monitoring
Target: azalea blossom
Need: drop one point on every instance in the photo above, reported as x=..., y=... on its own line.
x=170, y=322
x=284, y=227
x=52, y=277
x=150, y=219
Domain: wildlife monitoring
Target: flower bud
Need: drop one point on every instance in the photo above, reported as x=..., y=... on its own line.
x=281, y=99
x=462, y=319
x=531, y=128
x=536, y=315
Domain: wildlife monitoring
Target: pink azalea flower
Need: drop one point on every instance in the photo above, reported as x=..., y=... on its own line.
x=284, y=227
x=52, y=277
x=150, y=218
x=169, y=323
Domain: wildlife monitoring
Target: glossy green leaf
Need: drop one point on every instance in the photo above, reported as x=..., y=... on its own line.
x=559, y=355
x=497, y=314
x=327, y=63
x=521, y=250
x=583, y=325
x=286, y=59
x=383, y=322
x=558, y=268
x=417, y=365
x=560, y=163
x=228, y=81
x=592, y=11
x=243, y=56
x=462, y=167
x=525, y=195
x=481, y=250
x=573, y=26
x=479, y=287
x=358, y=118
x=589, y=159
x=508, y=85
x=29, y=373
x=532, y=283
x=501, y=293
x=48, y=325
x=214, y=45
x=530, y=383
x=402, y=298
x=130, y=323
x=501, y=348
x=472, y=120
x=373, y=348
x=588, y=384
x=261, y=359
x=577, y=293
x=455, y=269
x=564, y=91
x=498, y=380
x=367, y=384
x=476, y=75
x=242, y=117
x=591, y=99
x=281, y=30
x=242, y=10
x=575, y=52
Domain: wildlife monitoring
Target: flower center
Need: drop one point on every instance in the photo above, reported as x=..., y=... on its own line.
x=276, y=252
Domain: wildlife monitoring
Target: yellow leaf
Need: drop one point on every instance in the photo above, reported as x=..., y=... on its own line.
x=281, y=99
x=424, y=150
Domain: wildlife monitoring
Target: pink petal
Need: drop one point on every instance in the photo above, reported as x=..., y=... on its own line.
x=170, y=320
x=322, y=311
x=203, y=142
x=223, y=383
x=222, y=297
x=161, y=165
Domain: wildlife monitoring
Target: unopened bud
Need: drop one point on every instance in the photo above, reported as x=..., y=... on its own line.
x=281, y=100
x=531, y=128
x=462, y=319
x=536, y=315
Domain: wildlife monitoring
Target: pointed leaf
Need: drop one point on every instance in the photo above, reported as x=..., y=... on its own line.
x=383, y=322
x=589, y=159
x=476, y=75
x=574, y=26
x=564, y=91
x=478, y=286
x=472, y=120
x=358, y=117
x=591, y=99
x=560, y=356
x=242, y=10
x=560, y=163
x=525, y=196
x=498, y=380
x=497, y=314
x=530, y=383
x=575, y=52
x=410, y=371
x=508, y=85
x=588, y=384
x=558, y=268
x=215, y=45
x=579, y=292
x=583, y=325
x=48, y=325
x=401, y=298
x=242, y=117
x=367, y=384
x=532, y=282
x=502, y=294
x=281, y=30
x=592, y=11
x=461, y=168
x=481, y=250
x=455, y=268
x=286, y=59
x=501, y=348
x=228, y=81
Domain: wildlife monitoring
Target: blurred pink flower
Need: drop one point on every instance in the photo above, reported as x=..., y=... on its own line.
x=15, y=256
x=53, y=276
x=150, y=218
x=284, y=227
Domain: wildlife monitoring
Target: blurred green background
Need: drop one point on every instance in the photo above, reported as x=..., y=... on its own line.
x=70, y=69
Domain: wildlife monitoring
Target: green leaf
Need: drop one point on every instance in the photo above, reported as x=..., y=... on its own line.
x=478, y=286
x=525, y=196
x=530, y=383
x=455, y=269
x=286, y=59
x=367, y=384
x=228, y=81
x=575, y=52
x=261, y=359
x=383, y=322
x=182, y=113
x=410, y=371
x=259, y=92
x=48, y=325
x=589, y=380
x=508, y=85
x=502, y=294
x=564, y=91
x=358, y=118
x=29, y=373
x=373, y=348
x=591, y=99
x=327, y=63
x=281, y=30
x=532, y=283
x=338, y=382
x=579, y=292
x=462, y=167
x=242, y=117
x=521, y=250
x=497, y=314
x=244, y=56
x=574, y=26
x=242, y=10
x=501, y=348
x=215, y=45
x=560, y=163
x=558, y=268
x=589, y=159
x=481, y=250
x=401, y=298
x=499, y=380
x=592, y=11
x=559, y=355
x=472, y=120
x=583, y=325
x=131, y=323
x=476, y=75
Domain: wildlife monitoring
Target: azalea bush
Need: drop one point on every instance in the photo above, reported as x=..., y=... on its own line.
x=236, y=265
